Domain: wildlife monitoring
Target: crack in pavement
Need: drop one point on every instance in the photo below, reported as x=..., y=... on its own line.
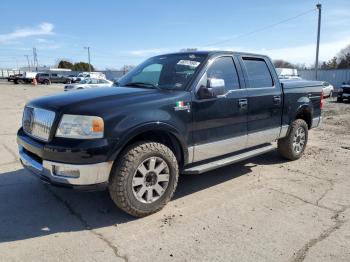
x=300, y=255
x=86, y=224
x=302, y=200
x=10, y=151
x=325, y=192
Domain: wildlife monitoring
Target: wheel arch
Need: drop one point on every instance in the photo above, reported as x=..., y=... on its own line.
x=156, y=132
x=304, y=112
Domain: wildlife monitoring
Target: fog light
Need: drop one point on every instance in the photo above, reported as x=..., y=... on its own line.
x=66, y=171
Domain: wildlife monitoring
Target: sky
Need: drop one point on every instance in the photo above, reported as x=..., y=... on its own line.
x=128, y=32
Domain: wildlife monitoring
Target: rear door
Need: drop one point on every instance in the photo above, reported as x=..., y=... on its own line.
x=265, y=100
x=54, y=78
x=220, y=123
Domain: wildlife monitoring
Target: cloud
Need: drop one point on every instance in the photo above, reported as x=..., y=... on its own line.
x=147, y=52
x=41, y=29
x=41, y=40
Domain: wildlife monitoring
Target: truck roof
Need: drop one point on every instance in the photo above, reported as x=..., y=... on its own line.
x=216, y=52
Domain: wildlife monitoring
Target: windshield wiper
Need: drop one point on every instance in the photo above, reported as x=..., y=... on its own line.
x=142, y=84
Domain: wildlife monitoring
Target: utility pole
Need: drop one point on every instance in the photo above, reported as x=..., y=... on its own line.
x=35, y=57
x=88, y=48
x=319, y=7
x=28, y=62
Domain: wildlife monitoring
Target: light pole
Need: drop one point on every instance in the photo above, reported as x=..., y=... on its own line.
x=88, y=49
x=319, y=7
x=28, y=62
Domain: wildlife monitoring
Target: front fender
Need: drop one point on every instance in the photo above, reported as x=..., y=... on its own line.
x=133, y=132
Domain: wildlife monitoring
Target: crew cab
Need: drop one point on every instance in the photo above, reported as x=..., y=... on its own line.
x=185, y=113
x=48, y=78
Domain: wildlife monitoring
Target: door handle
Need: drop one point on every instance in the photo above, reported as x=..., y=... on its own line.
x=277, y=99
x=242, y=103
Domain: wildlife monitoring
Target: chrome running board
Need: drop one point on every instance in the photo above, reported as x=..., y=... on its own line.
x=201, y=168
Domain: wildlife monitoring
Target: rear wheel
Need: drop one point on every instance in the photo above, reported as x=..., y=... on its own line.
x=339, y=99
x=293, y=145
x=47, y=82
x=144, y=179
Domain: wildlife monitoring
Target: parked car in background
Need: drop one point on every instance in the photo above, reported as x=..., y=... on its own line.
x=344, y=92
x=96, y=75
x=327, y=89
x=89, y=83
x=26, y=78
x=13, y=77
x=48, y=78
x=73, y=78
x=287, y=73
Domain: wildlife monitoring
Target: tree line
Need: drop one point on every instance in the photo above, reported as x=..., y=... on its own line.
x=340, y=61
x=79, y=66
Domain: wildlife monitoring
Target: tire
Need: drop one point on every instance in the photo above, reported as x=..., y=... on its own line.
x=47, y=82
x=340, y=99
x=68, y=82
x=290, y=147
x=125, y=186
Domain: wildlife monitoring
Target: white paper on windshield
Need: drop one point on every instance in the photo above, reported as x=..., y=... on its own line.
x=188, y=63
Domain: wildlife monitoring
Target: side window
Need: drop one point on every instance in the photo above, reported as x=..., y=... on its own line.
x=258, y=73
x=54, y=75
x=224, y=68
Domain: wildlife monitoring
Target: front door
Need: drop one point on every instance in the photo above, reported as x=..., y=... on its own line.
x=264, y=100
x=220, y=123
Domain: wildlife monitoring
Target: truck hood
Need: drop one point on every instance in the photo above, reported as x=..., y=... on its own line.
x=94, y=100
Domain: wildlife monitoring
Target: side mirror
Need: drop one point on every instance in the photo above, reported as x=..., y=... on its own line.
x=211, y=87
x=216, y=86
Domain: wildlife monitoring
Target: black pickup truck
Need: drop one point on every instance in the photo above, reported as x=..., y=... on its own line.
x=177, y=113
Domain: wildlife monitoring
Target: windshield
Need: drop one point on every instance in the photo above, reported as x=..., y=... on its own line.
x=173, y=71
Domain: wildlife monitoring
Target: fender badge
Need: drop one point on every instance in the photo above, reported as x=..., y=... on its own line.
x=180, y=105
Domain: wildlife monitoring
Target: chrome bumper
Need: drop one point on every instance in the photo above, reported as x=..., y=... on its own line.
x=91, y=174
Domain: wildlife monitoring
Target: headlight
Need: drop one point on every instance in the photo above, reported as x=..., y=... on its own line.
x=80, y=127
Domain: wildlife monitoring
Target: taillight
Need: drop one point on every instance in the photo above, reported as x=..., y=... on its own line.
x=321, y=101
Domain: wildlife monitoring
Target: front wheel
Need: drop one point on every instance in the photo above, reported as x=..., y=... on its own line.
x=144, y=179
x=293, y=145
x=339, y=99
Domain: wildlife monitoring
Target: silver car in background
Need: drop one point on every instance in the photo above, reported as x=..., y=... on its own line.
x=328, y=89
x=88, y=83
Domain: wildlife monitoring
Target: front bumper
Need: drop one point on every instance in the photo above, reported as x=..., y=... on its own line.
x=91, y=176
x=344, y=95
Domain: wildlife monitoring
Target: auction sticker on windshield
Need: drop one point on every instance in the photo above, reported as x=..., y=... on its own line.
x=188, y=63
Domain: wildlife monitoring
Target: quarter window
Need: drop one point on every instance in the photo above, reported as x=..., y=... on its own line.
x=224, y=68
x=258, y=73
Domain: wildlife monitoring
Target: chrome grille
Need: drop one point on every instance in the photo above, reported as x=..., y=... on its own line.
x=37, y=122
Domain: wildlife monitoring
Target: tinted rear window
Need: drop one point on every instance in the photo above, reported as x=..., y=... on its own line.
x=258, y=73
